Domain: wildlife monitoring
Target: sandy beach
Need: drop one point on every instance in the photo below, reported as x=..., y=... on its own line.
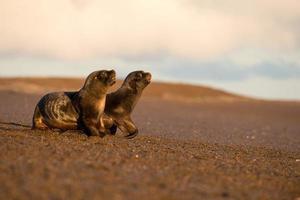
x=194, y=143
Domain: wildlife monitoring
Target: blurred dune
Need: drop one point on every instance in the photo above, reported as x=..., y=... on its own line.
x=167, y=91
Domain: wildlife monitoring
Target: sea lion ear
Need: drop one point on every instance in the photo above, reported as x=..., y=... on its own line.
x=139, y=76
x=132, y=84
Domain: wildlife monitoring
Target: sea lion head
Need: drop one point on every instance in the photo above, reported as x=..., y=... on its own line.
x=138, y=80
x=102, y=78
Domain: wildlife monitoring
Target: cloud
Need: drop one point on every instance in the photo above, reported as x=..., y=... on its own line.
x=199, y=30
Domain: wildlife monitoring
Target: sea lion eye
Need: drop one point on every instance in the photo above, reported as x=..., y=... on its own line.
x=102, y=75
x=139, y=76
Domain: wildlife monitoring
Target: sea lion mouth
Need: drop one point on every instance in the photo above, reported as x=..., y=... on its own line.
x=112, y=82
x=148, y=77
x=112, y=77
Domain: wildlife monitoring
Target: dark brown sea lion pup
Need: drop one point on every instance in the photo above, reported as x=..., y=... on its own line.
x=120, y=104
x=76, y=110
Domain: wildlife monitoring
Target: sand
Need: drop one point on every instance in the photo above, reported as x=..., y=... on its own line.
x=201, y=143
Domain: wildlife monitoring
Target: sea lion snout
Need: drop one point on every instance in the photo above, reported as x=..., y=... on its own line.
x=112, y=77
x=148, y=77
x=112, y=72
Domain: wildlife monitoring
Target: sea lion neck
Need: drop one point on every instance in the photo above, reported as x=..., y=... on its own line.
x=129, y=92
x=126, y=87
x=129, y=95
x=94, y=91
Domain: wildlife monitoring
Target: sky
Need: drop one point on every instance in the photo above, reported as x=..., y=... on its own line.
x=249, y=47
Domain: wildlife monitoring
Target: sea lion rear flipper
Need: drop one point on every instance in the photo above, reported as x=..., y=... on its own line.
x=37, y=120
x=128, y=127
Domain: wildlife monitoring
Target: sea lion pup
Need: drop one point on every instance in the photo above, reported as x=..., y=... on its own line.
x=120, y=104
x=76, y=110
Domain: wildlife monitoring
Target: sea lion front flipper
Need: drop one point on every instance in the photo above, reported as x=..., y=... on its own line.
x=110, y=126
x=88, y=125
x=128, y=127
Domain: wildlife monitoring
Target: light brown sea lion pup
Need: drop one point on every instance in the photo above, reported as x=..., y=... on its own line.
x=120, y=104
x=76, y=110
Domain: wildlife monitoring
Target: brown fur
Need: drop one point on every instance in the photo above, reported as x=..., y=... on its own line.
x=76, y=110
x=120, y=104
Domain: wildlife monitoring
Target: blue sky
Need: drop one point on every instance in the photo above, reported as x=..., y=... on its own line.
x=247, y=47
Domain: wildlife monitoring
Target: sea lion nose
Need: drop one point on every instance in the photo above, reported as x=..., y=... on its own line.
x=148, y=76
